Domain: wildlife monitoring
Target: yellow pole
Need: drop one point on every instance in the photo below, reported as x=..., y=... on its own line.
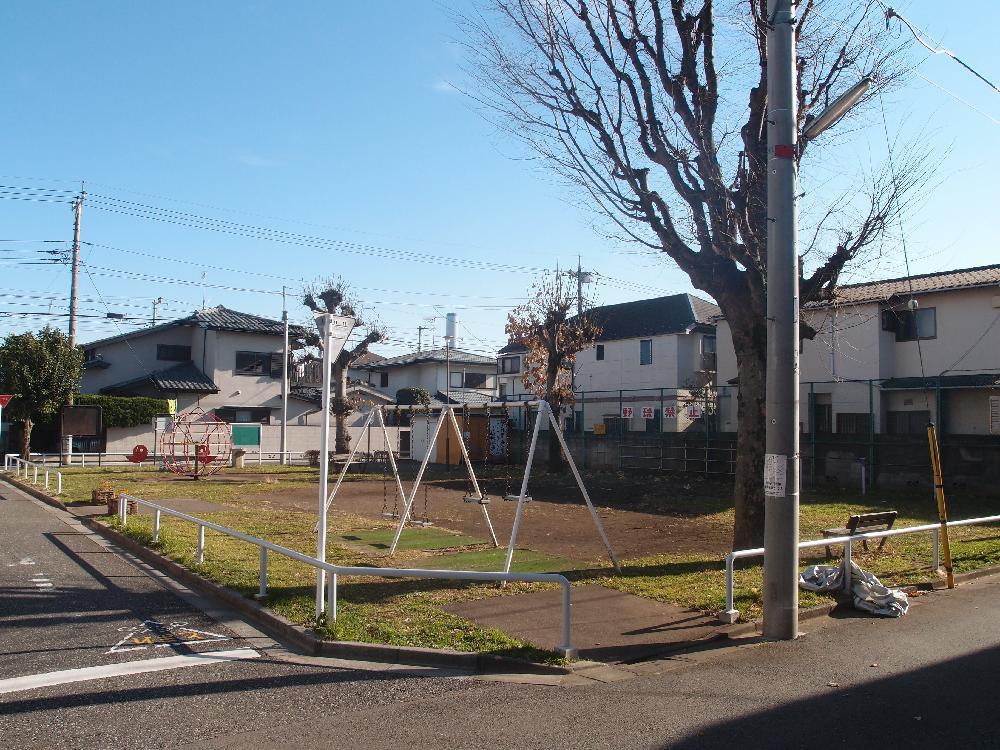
x=941, y=503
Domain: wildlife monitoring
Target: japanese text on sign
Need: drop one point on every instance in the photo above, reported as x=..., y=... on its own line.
x=670, y=412
x=627, y=412
x=647, y=412
x=775, y=467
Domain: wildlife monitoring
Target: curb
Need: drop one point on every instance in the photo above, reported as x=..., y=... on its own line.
x=33, y=491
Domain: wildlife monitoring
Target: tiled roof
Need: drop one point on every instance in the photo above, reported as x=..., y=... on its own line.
x=182, y=378
x=514, y=347
x=879, y=291
x=977, y=380
x=315, y=395
x=676, y=313
x=214, y=319
x=460, y=398
x=457, y=357
x=368, y=358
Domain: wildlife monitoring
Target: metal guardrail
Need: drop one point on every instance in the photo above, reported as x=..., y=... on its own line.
x=730, y=614
x=20, y=463
x=567, y=649
x=122, y=459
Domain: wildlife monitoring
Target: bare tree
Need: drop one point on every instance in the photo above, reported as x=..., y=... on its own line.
x=334, y=296
x=657, y=108
x=553, y=337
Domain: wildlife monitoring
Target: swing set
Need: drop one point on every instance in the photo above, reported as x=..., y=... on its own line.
x=474, y=492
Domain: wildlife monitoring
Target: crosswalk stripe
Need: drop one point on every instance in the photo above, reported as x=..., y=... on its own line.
x=62, y=677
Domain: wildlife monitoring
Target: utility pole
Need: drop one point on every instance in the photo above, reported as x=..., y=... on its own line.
x=420, y=337
x=781, y=460
x=284, y=382
x=67, y=440
x=157, y=301
x=579, y=286
x=74, y=278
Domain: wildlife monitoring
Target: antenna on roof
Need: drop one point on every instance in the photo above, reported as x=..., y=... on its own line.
x=203, y=275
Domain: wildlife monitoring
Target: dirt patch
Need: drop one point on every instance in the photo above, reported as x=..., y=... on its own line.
x=557, y=522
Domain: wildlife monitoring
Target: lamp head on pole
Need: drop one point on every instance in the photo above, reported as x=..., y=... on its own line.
x=837, y=109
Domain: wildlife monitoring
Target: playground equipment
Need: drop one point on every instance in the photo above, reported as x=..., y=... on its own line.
x=196, y=444
x=544, y=414
x=474, y=493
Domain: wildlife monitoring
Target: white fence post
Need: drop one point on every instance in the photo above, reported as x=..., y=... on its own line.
x=58, y=482
x=201, y=544
x=331, y=595
x=123, y=509
x=156, y=525
x=937, y=550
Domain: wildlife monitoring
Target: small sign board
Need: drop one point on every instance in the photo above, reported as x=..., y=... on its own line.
x=4, y=400
x=627, y=412
x=647, y=412
x=81, y=421
x=775, y=473
x=670, y=412
x=694, y=411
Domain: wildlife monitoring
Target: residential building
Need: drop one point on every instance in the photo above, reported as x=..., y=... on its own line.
x=220, y=360
x=891, y=355
x=465, y=376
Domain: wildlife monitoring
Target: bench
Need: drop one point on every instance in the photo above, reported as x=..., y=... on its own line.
x=862, y=523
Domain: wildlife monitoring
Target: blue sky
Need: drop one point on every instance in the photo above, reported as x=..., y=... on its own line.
x=339, y=121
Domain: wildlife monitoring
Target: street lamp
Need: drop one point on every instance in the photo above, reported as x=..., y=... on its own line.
x=781, y=459
x=333, y=333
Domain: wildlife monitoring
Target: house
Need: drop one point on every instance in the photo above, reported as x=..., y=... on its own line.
x=890, y=355
x=443, y=373
x=646, y=372
x=220, y=360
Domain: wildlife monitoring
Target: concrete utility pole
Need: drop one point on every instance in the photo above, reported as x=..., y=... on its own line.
x=75, y=273
x=420, y=337
x=284, y=381
x=157, y=301
x=781, y=462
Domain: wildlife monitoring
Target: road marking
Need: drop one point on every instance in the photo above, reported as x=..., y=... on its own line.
x=62, y=677
x=22, y=561
x=156, y=634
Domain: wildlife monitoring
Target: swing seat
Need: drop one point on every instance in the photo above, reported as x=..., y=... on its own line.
x=481, y=499
x=393, y=516
x=421, y=524
x=515, y=498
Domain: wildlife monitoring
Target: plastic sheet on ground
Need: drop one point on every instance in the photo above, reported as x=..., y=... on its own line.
x=869, y=593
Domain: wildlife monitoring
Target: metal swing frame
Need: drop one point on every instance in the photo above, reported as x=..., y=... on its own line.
x=447, y=413
x=365, y=429
x=523, y=497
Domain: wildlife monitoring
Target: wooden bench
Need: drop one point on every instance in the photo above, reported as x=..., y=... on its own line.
x=861, y=523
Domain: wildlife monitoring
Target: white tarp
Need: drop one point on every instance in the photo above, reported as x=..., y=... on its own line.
x=869, y=593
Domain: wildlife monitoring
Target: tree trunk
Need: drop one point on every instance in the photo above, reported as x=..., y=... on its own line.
x=27, y=424
x=340, y=408
x=556, y=463
x=748, y=490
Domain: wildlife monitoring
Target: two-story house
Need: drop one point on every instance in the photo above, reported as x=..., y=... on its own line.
x=903, y=350
x=645, y=371
x=463, y=376
x=218, y=359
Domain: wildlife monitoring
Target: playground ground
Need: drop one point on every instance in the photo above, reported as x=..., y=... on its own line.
x=671, y=531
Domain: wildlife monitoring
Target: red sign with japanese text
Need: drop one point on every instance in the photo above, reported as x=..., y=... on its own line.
x=647, y=412
x=627, y=412
x=670, y=412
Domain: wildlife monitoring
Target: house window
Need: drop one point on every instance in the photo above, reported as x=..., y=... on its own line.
x=456, y=380
x=383, y=380
x=173, y=353
x=251, y=415
x=600, y=352
x=646, y=352
x=89, y=355
x=823, y=418
x=510, y=365
x=476, y=380
x=503, y=390
x=708, y=344
x=907, y=422
x=256, y=363
x=910, y=325
x=853, y=424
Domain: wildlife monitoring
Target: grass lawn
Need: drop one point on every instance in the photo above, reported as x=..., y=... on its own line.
x=405, y=612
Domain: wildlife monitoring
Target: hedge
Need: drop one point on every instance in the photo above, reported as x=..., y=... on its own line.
x=124, y=411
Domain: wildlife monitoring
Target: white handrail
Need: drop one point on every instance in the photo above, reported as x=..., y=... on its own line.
x=730, y=613
x=567, y=649
x=20, y=462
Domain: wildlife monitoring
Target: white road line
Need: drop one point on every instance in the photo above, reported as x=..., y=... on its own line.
x=48, y=679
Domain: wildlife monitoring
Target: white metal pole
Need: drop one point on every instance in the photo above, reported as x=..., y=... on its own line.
x=524, y=488
x=324, y=465
x=347, y=464
x=284, y=383
x=781, y=466
x=416, y=484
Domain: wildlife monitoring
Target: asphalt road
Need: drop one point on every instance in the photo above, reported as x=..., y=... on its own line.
x=926, y=680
